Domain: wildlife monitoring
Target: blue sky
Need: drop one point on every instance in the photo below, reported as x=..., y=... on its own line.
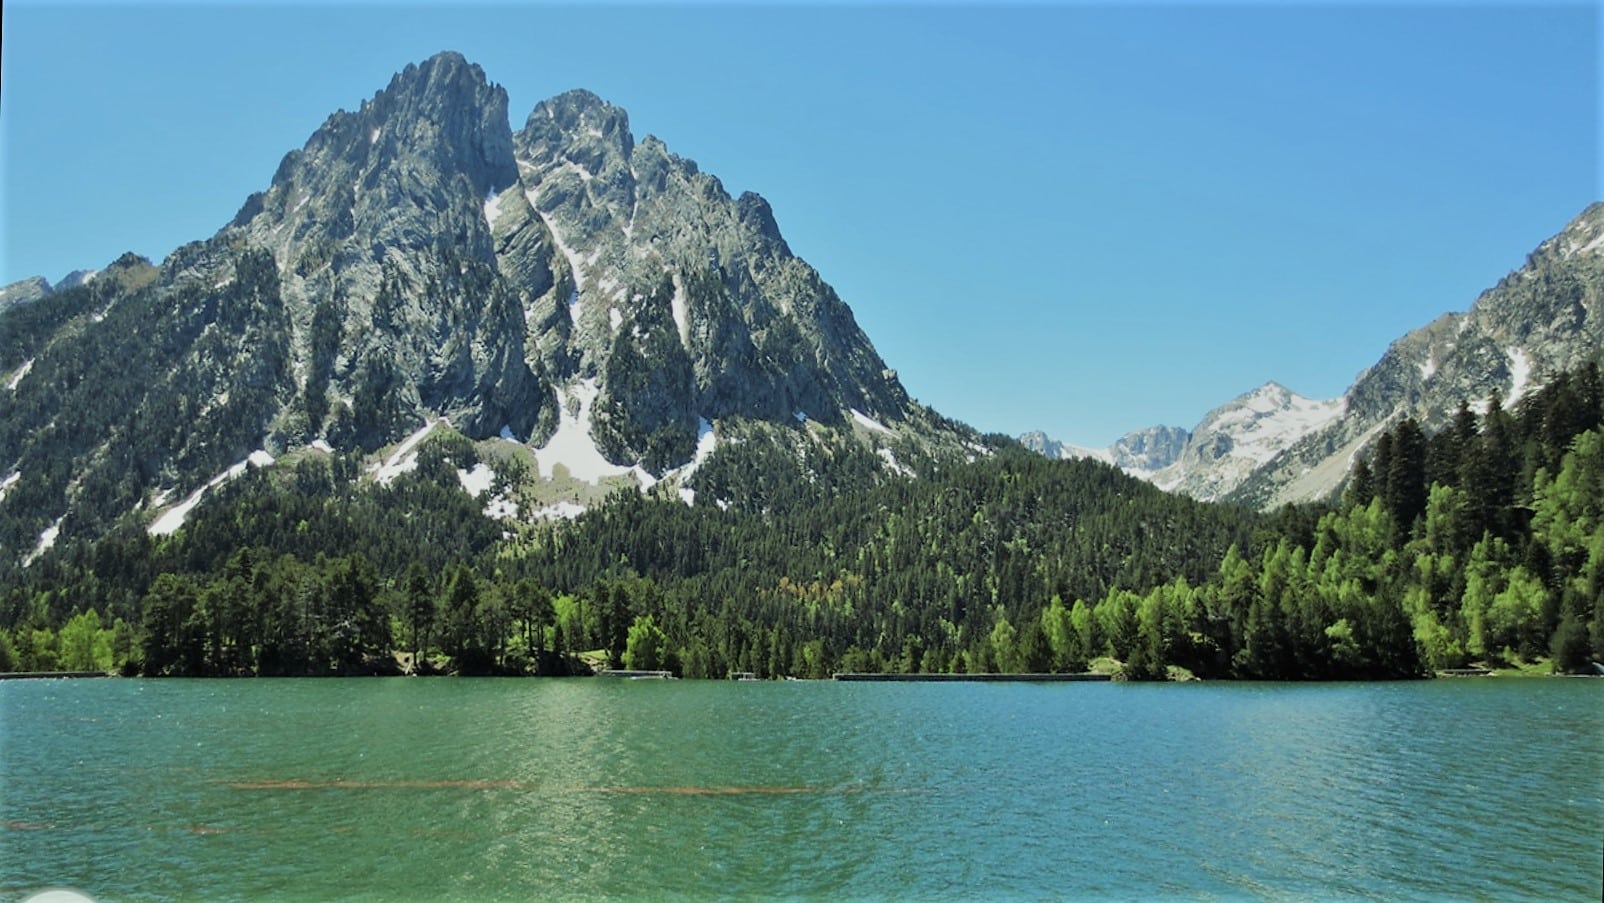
x=1082, y=218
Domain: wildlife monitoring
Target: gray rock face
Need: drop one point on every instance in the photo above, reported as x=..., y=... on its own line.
x=416, y=259
x=1272, y=446
x=1235, y=439
x=654, y=254
x=1230, y=442
x=23, y=291
x=1152, y=449
x=1139, y=452
x=381, y=216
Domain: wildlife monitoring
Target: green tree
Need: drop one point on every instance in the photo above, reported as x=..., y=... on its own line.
x=421, y=610
x=1060, y=633
x=646, y=647
x=1004, y=644
x=83, y=645
x=462, y=629
x=171, y=643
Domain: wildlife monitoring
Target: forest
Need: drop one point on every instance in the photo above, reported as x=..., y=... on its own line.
x=1479, y=545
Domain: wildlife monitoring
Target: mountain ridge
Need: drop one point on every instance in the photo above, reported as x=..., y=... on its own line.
x=562, y=288
x=1542, y=318
x=1211, y=459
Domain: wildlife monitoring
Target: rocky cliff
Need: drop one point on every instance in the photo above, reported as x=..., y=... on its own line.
x=598, y=300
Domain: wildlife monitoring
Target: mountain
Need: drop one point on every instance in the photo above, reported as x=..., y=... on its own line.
x=1139, y=452
x=1541, y=319
x=1272, y=446
x=27, y=291
x=597, y=302
x=1214, y=457
x=1237, y=438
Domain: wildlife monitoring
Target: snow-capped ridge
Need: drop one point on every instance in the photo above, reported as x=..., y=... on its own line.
x=1214, y=457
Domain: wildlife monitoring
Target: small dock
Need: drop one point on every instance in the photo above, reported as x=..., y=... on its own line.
x=637, y=675
x=1465, y=672
x=49, y=675
x=1083, y=677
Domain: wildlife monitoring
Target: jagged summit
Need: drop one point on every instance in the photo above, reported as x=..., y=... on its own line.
x=1214, y=457
x=600, y=301
x=645, y=237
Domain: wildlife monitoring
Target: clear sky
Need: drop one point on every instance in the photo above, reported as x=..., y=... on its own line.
x=1083, y=218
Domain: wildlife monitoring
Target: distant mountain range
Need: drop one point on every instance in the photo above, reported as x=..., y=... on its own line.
x=1272, y=446
x=594, y=311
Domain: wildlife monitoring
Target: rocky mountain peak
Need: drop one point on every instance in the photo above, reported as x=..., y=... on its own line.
x=1545, y=317
x=651, y=248
x=24, y=291
x=1584, y=235
x=445, y=110
x=575, y=119
x=605, y=305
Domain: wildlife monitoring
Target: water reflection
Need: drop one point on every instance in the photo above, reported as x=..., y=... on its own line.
x=459, y=789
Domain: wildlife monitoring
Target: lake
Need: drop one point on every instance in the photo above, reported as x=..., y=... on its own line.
x=401, y=789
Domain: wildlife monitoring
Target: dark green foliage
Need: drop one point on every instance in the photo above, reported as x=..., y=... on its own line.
x=802, y=557
x=325, y=343
x=646, y=410
x=107, y=410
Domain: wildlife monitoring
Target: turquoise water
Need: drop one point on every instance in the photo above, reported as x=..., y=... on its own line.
x=400, y=789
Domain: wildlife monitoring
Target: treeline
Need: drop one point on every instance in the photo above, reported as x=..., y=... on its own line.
x=1482, y=544
x=827, y=564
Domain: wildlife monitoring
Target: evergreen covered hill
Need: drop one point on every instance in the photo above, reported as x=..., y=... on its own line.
x=562, y=288
x=1481, y=544
x=306, y=568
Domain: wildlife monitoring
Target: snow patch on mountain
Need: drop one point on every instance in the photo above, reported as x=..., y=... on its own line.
x=869, y=422
x=404, y=458
x=9, y=482
x=477, y=480
x=893, y=465
x=559, y=511
x=682, y=318
x=706, y=444
x=46, y=540
x=1270, y=418
x=1520, y=371
x=174, y=517
x=16, y=377
x=575, y=264
x=572, y=445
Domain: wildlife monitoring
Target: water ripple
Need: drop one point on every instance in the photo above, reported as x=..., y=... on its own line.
x=463, y=789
